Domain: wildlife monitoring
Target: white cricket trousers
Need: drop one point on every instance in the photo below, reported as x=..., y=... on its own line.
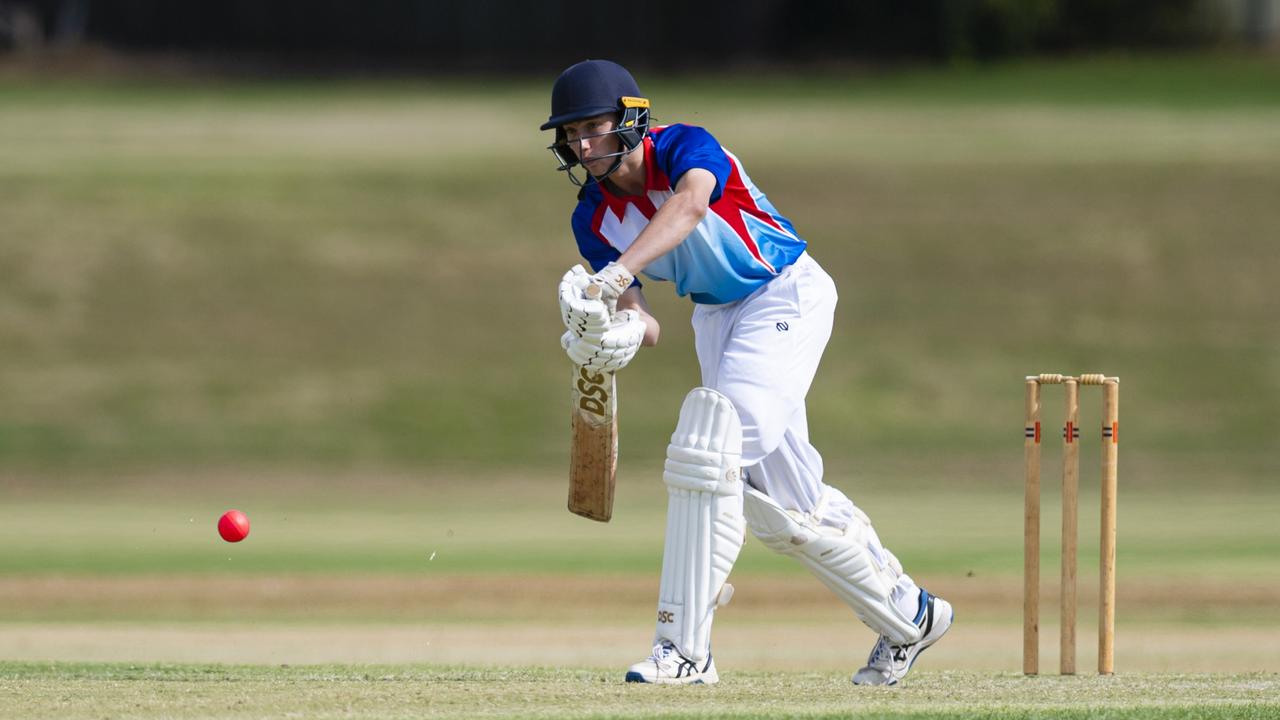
x=762, y=353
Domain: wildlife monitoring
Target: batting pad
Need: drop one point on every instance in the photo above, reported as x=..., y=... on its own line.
x=841, y=558
x=705, y=526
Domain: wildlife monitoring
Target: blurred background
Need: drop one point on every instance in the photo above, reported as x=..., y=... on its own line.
x=299, y=258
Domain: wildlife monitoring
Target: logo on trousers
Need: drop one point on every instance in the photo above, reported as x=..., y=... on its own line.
x=782, y=327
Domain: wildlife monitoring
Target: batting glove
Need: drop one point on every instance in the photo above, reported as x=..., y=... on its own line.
x=581, y=316
x=613, y=280
x=610, y=351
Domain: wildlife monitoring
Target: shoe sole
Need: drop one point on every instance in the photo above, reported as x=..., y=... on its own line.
x=635, y=677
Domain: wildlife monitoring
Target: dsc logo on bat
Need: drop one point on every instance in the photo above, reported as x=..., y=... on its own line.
x=594, y=395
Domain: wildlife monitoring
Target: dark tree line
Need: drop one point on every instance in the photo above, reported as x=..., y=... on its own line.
x=538, y=36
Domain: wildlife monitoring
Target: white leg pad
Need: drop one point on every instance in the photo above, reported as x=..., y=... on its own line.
x=845, y=560
x=705, y=525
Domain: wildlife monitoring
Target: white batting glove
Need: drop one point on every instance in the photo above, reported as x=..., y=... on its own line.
x=622, y=340
x=581, y=316
x=613, y=280
x=610, y=351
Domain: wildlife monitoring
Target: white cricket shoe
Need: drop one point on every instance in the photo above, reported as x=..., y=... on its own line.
x=890, y=663
x=666, y=666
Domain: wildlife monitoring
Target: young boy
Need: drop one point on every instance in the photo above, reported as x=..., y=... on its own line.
x=672, y=203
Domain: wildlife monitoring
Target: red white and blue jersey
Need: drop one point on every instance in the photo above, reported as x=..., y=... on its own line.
x=741, y=244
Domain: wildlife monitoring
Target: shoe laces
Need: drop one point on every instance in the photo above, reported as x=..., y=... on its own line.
x=662, y=651
x=881, y=654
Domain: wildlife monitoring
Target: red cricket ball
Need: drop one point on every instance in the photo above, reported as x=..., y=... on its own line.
x=233, y=526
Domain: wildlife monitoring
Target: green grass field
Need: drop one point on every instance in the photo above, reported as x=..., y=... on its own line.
x=80, y=691
x=330, y=306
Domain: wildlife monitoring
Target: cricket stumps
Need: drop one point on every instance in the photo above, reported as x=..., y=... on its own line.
x=1070, y=521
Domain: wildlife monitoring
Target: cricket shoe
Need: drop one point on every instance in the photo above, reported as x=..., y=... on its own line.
x=666, y=666
x=889, y=663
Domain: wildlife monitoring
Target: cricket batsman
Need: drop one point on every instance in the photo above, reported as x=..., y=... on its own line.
x=672, y=203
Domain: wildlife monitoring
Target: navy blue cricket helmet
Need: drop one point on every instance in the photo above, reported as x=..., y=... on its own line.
x=590, y=88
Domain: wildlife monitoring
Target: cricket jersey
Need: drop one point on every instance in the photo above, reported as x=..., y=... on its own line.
x=741, y=244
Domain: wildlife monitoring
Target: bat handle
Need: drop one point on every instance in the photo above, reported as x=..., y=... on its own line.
x=595, y=291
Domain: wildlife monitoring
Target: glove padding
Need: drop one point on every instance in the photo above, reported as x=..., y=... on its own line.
x=581, y=316
x=611, y=350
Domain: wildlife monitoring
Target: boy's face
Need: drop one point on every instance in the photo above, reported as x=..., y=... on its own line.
x=593, y=141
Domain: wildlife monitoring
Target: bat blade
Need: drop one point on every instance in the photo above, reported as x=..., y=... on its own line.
x=593, y=456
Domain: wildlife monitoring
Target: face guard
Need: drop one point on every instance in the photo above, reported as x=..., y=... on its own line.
x=632, y=126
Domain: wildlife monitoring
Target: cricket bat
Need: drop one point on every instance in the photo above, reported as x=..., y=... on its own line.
x=593, y=455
